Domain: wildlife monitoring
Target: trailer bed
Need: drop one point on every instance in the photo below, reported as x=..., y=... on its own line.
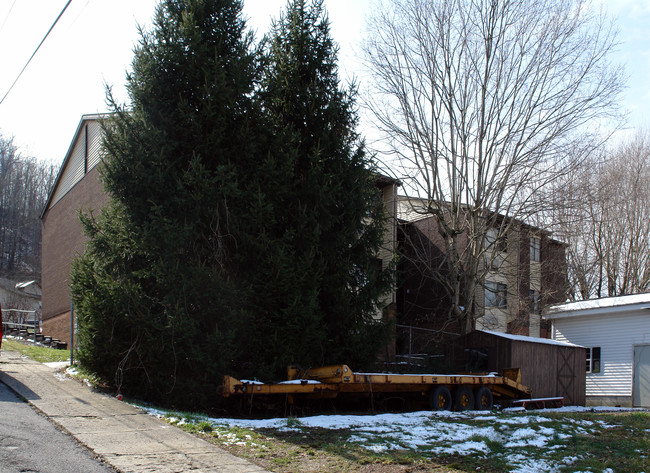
x=469, y=390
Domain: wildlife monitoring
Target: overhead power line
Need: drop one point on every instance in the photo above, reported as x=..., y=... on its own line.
x=8, y=15
x=36, y=50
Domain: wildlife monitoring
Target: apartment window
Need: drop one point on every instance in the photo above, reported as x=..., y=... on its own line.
x=493, y=239
x=497, y=261
x=496, y=294
x=534, y=302
x=535, y=249
x=593, y=360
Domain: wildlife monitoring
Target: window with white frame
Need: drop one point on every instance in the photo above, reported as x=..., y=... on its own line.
x=593, y=360
x=496, y=294
x=535, y=249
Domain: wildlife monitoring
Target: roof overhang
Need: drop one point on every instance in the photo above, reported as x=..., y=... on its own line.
x=384, y=180
x=606, y=306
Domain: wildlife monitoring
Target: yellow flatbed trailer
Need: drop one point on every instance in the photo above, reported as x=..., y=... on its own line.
x=443, y=391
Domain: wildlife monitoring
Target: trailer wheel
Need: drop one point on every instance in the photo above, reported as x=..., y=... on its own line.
x=463, y=398
x=484, y=399
x=440, y=399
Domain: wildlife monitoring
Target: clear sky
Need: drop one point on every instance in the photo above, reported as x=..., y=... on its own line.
x=93, y=41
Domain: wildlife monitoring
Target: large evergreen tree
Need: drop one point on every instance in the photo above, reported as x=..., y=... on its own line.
x=244, y=222
x=154, y=293
x=322, y=240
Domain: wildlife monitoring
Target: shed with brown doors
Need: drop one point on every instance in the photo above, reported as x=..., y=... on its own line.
x=550, y=368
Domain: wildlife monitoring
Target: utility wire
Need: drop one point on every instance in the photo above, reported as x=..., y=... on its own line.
x=7, y=17
x=37, y=48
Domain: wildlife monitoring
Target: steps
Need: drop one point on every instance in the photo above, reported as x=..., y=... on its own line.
x=27, y=334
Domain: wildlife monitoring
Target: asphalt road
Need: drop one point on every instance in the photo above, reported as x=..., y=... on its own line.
x=29, y=443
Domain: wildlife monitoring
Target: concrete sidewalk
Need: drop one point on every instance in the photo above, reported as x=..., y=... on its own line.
x=122, y=435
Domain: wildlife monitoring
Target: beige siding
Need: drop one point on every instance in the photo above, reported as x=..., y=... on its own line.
x=504, y=272
x=85, y=150
x=536, y=276
x=387, y=250
x=534, y=329
x=493, y=319
x=94, y=144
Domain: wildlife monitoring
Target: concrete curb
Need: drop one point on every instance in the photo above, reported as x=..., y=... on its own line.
x=121, y=435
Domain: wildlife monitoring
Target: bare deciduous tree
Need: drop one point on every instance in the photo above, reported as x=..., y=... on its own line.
x=484, y=103
x=604, y=216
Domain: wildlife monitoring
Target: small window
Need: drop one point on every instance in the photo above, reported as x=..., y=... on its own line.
x=492, y=238
x=535, y=249
x=593, y=360
x=496, y=295
x=534, y=302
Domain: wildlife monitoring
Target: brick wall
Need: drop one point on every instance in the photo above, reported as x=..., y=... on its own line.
x=554, y=279
x=423, y=302
x=63, y=240
x=58, y=327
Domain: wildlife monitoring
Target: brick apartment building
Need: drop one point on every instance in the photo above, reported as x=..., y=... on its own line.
x=528, y=272
x=532, y=272
x=78, y=188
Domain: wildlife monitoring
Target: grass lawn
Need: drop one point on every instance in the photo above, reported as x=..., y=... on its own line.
x=527, y=441
x=35, y=352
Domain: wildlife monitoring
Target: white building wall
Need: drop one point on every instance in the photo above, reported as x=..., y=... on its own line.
x=616, y=335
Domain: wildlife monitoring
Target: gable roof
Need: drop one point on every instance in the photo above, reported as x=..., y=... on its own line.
x=606, y=305
x=414, y=209
x=71, y=155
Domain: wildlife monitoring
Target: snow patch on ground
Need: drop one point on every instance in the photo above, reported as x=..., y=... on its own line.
x=444, y=432
x=57, y=364
x=60, y=376
x=530, y=465
x=528, y=437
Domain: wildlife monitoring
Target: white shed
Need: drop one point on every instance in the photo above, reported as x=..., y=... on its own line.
x=616, y=332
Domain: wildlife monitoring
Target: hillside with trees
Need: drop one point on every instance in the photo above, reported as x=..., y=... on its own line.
x=602, y=211
x=24, y=186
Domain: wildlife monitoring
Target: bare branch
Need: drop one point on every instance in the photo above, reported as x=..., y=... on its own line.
x=484, y=104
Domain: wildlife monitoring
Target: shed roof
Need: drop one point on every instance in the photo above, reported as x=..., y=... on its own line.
x=526, y=338
x=10, y=287
x=605, y=305
x=23, y=285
